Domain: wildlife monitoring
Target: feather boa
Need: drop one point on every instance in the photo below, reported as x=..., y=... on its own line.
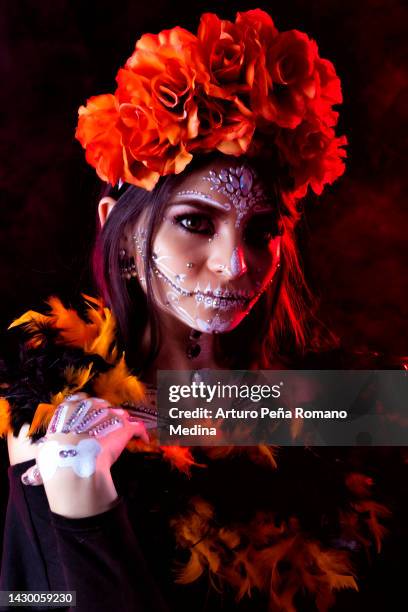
x=274, y=551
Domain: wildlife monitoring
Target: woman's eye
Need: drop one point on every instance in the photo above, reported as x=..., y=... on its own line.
x=195, y=223
x=260, y=231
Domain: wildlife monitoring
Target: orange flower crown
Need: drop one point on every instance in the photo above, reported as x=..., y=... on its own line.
x=232, y=87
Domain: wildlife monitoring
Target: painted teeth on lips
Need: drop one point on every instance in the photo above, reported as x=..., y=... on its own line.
x=242, y=295
x=226, y=294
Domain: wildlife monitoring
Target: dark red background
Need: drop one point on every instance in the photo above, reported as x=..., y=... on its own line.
x=55, y=54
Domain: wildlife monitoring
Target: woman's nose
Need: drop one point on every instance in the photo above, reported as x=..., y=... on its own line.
x=229, y=264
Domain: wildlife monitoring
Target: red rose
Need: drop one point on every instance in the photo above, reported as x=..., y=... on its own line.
x=258, y=32
x=315, y=155
x=223, y=52
x=235, y=56
x=291, y=61
x=290, y=64
x=261, y=25
x=302, y=84
x=329, y=91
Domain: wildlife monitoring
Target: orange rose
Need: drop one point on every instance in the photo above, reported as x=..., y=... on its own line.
x=99, y=134
x=235, y=87
x=222, y=127
x=156, y=100
x=237, y=134
x=167, y=70
x=143, y=142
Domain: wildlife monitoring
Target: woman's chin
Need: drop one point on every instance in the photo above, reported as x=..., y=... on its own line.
x=208, y=320
x=219, y=322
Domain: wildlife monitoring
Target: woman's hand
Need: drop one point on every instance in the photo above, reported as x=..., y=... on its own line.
x=73, y=460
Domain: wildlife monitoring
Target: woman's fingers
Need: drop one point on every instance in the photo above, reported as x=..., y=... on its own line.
x=139, y=428
x=119, y=419
x=72, y=415
x=94, y=417
x=32, y=477
x=112, y=420
x=105, y=427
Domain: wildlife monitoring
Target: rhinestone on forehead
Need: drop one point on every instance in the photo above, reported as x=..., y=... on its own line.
x=241, y=186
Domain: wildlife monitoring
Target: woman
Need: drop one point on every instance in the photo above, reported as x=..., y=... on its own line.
x=207, y=145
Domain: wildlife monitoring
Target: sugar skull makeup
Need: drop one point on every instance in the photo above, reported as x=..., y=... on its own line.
x=217, y=248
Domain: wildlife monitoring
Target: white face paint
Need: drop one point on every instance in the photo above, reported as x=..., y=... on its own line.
x=81, y=458
x=217, y=248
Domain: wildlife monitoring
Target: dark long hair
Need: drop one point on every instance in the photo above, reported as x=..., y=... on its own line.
x=280, y=325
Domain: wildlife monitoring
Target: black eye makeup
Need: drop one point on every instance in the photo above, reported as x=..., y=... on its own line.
x=195, y=223
x=195, y=219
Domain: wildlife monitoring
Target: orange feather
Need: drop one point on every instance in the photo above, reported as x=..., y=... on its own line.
x=249, y=556
x=41, y=419
x=117, y=385
x=73, y=330
x=4, y=417
x=180, y=458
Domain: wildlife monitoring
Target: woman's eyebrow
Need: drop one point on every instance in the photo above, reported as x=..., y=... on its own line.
x=198, y=197
x=206, y=202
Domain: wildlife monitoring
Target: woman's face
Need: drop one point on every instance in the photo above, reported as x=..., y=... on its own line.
x=216, y=249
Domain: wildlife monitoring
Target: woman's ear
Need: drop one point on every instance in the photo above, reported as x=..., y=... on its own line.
x=105, y=207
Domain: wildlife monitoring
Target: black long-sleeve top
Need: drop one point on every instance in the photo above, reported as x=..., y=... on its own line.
x=121, y=559
x=99, y=557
